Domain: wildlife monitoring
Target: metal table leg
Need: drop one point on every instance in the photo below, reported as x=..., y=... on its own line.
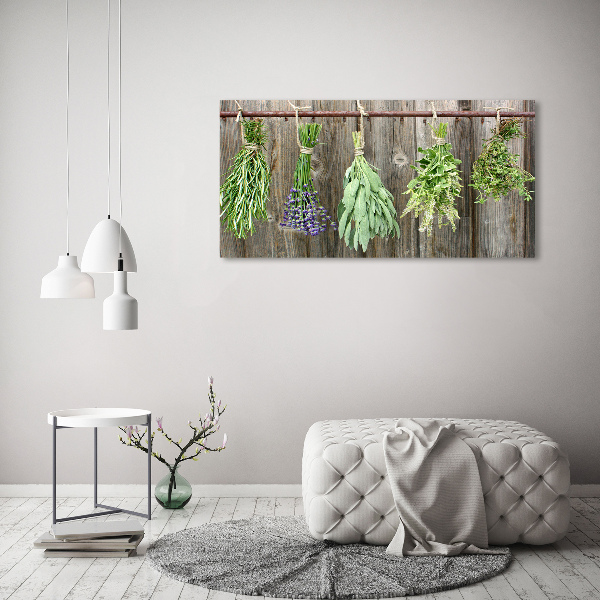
x=149, y=434
x=95, y=467
x=54, y=470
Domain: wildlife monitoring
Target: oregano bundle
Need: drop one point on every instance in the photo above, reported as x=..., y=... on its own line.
x=367, y=208
x=436, y=184
x=245, y=191
x=497, y=172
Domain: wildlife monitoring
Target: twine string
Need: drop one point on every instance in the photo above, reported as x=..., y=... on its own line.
x=498, y=109
x=438, y=141
x=361, y=127
x=303, y=150
x=240, y=119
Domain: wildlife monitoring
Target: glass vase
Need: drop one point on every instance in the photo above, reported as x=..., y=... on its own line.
x=173, y=490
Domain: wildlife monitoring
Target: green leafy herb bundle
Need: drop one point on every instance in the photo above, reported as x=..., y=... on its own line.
x=303, y=210
x=367, y=208
x=436, y=184
x=497, y=172
x=245, y=191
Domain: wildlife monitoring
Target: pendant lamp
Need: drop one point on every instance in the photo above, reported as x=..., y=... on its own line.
x=120, y=310
x=67, y=281
x=108, y=239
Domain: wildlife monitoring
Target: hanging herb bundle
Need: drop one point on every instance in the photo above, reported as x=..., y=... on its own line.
x=497, y=172
x=367, y=208
x=245, y=191
x=303, y=210
x=436, y=185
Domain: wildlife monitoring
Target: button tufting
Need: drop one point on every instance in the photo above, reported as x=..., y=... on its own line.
x=522, y=497
x=501, y=476
x=541, y=517
x=382, y=517
x=502, y=516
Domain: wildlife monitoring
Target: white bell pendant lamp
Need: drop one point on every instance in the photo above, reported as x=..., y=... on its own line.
x=108, y=239
x=67, y=281
x=120, y=310
x=102, y=247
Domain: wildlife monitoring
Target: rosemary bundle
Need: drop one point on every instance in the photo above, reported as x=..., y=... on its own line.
x=366, y=202
x=245, y=191
x=497, y=172
x=303, y=211
x=436, y=184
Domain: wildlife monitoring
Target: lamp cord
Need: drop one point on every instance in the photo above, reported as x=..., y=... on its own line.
x=67, y=121
x=108, y=104
x=120, y=193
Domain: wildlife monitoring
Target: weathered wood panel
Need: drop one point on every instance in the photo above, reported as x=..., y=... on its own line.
x=492, y=229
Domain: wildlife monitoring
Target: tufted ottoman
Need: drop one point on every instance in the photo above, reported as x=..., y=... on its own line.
x=347, y=498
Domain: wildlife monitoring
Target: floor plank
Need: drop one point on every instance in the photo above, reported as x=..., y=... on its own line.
x=245, y=508
x=546, y=579
x=500, y=589
x=285, y=507
x=265, y=507
x=476, y=591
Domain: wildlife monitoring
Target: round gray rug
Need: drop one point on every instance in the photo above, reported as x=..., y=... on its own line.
x=277, y=557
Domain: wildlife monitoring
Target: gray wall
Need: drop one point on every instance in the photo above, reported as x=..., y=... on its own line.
x=508, y=339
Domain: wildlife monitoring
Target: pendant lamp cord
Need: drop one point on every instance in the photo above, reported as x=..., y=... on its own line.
x=120, y=193
x=67, y=121
x=108, y=104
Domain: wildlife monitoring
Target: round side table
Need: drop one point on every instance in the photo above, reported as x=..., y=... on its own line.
x=99, y=417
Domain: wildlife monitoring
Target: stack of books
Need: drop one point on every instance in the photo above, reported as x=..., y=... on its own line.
x=114, y=539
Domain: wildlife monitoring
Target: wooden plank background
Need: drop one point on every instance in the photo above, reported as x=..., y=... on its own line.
x=489, y=230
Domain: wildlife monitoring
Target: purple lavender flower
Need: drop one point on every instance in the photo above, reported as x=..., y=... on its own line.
x=303, y=212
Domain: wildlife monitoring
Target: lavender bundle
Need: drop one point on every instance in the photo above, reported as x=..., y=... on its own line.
x=303, y=210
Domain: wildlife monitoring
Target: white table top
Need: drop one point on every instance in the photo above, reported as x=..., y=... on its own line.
x=99, y=417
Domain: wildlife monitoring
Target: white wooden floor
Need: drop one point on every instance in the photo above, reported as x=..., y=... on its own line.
x=568, y=569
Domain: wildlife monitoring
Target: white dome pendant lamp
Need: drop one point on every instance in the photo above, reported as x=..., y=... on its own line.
x=67, y=281
x=120, y=310
x=108, y=238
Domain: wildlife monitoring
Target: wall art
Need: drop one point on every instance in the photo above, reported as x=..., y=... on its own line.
x=377, y=178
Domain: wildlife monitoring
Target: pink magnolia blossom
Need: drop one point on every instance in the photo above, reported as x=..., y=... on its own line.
x=210, y=380
x=159, y=423
x=129, y=430
x=224, y=440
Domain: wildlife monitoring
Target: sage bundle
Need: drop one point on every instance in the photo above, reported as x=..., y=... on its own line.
x=303, y=210
x=436, y=184
x=245, y=191
x=497, y=172
x=367, y=208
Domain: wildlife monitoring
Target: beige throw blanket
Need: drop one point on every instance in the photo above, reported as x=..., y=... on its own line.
x=437, y=490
